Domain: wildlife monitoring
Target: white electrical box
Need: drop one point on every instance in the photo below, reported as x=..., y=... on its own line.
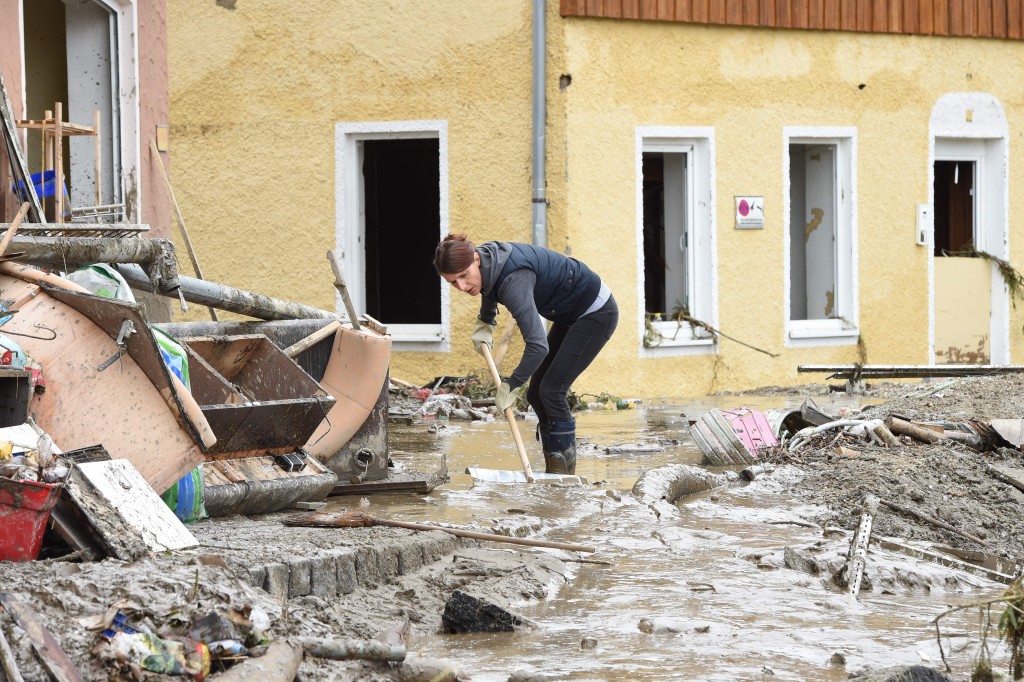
x=924, y=224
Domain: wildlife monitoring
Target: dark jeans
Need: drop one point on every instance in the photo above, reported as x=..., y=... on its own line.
x=571, y=349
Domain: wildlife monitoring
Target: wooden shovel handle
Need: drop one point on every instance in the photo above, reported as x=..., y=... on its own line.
x=509, y=415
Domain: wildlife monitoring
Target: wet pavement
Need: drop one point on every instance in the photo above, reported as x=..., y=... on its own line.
x=688, y=595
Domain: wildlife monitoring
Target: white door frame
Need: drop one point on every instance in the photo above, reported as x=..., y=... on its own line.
x=350, y=217
x=971, y=126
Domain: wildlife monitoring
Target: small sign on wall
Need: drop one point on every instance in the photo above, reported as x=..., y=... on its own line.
x=749, y=213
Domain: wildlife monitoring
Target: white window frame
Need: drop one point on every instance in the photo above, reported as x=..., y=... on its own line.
x=845, y=329
x=350, y=226
x=127, y=147
x=702, y=268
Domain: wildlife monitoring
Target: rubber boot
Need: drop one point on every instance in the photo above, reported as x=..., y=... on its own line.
x=543, y=429
x=560, y=450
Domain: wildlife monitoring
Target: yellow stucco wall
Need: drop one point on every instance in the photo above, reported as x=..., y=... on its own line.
x=256, y=92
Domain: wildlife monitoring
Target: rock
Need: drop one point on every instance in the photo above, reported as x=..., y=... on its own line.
x=910, y=673
x=646, y=626
x=798, y=562
x=465, y=612
x=588, y=643
x=431, y=670
x=837, y=659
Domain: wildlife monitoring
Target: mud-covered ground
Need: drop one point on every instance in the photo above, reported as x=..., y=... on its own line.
x=948, y=482
x=951, y=483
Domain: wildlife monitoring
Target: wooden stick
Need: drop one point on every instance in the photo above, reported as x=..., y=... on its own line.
x=9, y=236
x=339, y=284
x=932, y=520
x=181, y=220
x=501, y=347
x=357, y=519
x=10, y=665
x=904, y=428
x=313, y=339
x=887, y=437
x=509, y=415
x=58, y=162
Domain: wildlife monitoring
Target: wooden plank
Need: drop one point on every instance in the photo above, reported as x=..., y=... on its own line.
x=970, y=9
x=136, y=504
x=648, y=9
x=848, y=15
x=55, y=661
x=666, y=10
x=768, y=12
x=940, y=18
x=783, y=14
x=683, y=10
x=895, y=19
x=716, y=12
x=816, y=14
x=630, y=9
x=568, y=8
x=798, y=10
x=985, y=17
x=956, y=19
x=833, y=15
x=734, y=12
x=699, y=11
x=911, y=21
x=1014, y=17
x=879, y=16
x=593, y=8
x=864, y=14
x=999, y=19
x=751, y=9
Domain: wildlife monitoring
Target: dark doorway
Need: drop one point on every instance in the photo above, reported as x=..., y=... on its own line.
x=654, y=233
x=403, y=223
x=954, y=206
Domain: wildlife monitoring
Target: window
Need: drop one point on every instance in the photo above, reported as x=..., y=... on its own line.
x=83, y=55
x=392, y=209
x=676, y=238
x=820, y=242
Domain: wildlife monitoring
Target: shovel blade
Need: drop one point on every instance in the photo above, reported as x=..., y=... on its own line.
x=506, y=476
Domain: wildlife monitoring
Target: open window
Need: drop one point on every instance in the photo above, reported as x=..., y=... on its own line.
x=675, y=227
x=820, y=241
x=392, y=210
x=82, y=54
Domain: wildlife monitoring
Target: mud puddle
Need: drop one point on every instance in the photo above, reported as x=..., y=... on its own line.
x=694, y=592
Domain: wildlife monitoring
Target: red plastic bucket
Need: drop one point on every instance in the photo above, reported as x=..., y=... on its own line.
x=24, y=511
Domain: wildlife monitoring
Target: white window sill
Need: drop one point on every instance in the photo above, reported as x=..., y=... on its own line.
x=821, y=336
x=687, y=346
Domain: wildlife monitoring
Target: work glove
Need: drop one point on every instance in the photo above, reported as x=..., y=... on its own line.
x=482, y=333
x=506, y=396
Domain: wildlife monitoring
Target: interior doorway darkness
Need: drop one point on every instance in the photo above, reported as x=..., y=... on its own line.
x=403, y=223
x=954, y=206
x=654, y=233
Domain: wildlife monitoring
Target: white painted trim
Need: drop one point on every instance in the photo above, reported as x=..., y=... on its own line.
x=700, y=142
x=804, y=333
x=987, y=123
x=130, y=108
x=348, y=220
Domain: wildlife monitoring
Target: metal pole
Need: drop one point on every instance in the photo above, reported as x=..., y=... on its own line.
x=540, y=206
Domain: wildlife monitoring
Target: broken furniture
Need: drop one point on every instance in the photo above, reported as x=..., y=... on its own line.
x=351, y=366
x=53, y=129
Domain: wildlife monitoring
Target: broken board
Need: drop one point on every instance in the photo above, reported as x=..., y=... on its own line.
x=132, y=506
x=509, y=476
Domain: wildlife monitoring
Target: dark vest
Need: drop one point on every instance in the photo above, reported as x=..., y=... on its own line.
x=565, y=287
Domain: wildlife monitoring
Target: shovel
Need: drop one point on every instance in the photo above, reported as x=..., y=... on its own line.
x=509, y=415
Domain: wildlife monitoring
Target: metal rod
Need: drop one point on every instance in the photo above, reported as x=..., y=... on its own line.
x=910, y=371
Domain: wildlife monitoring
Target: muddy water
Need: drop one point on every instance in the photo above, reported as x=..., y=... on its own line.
x=685, y=598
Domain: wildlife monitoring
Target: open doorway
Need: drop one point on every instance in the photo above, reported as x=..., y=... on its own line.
x=401, y=194
x=71, y=56
x=954, y=206
x=392, y=208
